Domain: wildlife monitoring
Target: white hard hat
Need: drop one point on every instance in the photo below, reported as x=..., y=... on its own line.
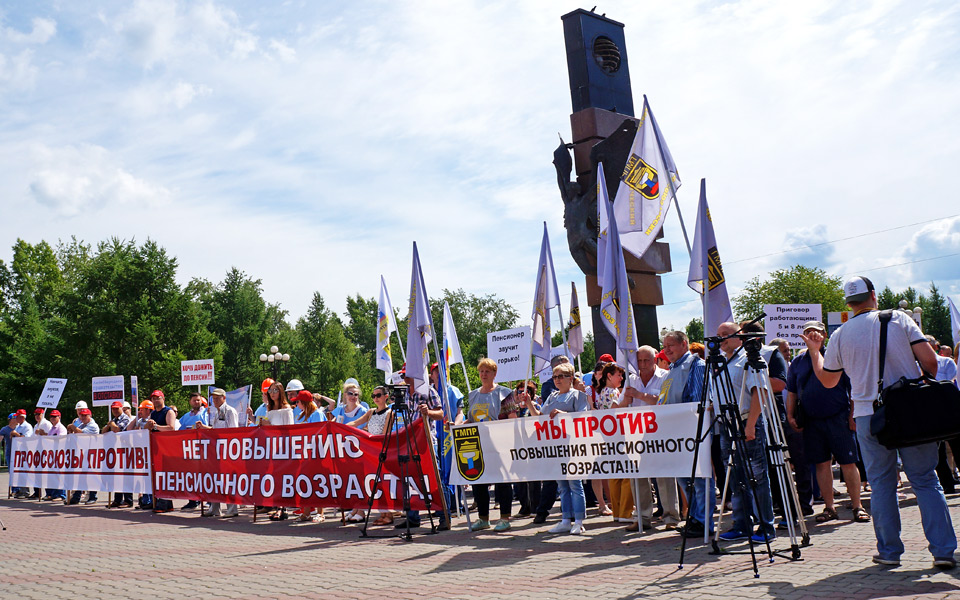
x=352, y=380
x=80, y=405
x=294, y=385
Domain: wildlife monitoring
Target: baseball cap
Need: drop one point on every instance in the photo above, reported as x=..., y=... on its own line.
x=857, y=289
x=605, y=358
x=814, y=325
x=54, y=413
x=157, y=394
x=116, y=404
x=21, y=413
x=217, y=392
x=37, y=411
x=146, y=404
x=12, y=415
x=84, y=411
x=435, y=365
x=304, y=396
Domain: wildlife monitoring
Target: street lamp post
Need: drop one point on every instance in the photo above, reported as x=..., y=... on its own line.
x=272, y=363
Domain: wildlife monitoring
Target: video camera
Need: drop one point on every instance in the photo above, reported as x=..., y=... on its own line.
x=398, y=392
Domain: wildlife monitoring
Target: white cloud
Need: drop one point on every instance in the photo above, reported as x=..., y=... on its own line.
x=283, y=51
x=42, y=31
x=86, y=178
x=17, y=72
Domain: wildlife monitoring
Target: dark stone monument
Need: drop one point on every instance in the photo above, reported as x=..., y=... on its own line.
x=603, y=129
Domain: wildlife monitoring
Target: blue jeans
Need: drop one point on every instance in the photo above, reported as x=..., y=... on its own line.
x=58, y=494
x=919, y=463
x=743, y=501
x=698, y=501
x=573, y=504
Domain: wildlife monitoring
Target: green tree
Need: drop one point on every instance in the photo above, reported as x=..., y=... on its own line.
x=796, y=285
x=695, y=330
x=323, y=357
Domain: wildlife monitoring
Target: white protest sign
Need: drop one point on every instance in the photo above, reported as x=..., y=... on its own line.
x=786, y=321
x=113, y=462
x=836, y=319
x=653, y=441
x=107, y=390
x=510, y=349
x=196, y=372
x=52, y=391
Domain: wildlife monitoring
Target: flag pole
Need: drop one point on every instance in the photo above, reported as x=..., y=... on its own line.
x=656, y=134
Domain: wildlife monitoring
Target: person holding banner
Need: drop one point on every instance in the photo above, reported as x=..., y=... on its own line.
x=643, y=389
x=684, y=383
x=376, y=423
x=491, y=402
x=351, y=409
x=223, y=416
x=84, y=424
x=197, y=412
x=278, y=408
x=309, y=413
x=565, y=399
x=612, y=378
x=56, y=428
x=21, y=429
x=118, y=423
x=163, y=418
x=254, y=418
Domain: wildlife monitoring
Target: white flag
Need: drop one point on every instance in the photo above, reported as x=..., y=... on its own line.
x=954, y=321
x=647, y=186
x=451, y=345
x=386, y=324
x=545, y=297
x=419, y=330
x=601, y=221
x=705, y=267
x=615, y=304
x=575, y=331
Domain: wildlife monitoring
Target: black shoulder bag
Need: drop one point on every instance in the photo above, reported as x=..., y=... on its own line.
x=913, y=411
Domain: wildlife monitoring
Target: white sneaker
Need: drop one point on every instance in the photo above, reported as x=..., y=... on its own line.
x=207, y=513
x=231, y=513
x=577, y=529
x=561, y=527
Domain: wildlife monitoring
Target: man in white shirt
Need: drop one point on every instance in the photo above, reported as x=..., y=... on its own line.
x=25, y=430
x=222, y=416
x=56, y=428
x=41, y=428
x=644, y=389
x=855, y=350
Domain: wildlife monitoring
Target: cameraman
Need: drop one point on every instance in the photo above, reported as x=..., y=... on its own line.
x=424, y=406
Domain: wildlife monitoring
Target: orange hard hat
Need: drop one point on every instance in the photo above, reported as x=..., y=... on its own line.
x=265, y=386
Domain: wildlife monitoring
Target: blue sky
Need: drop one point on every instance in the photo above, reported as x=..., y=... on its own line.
x=318, y=140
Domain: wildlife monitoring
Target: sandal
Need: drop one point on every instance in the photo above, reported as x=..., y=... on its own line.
x=828, y=514
x=860, y=515
x=279, y=516
x=384, y=520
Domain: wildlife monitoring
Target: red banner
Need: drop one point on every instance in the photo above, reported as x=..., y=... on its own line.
x=309, y=465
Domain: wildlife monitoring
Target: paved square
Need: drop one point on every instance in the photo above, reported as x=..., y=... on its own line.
x=55, y=551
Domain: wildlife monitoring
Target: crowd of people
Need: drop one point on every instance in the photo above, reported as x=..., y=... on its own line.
x=822, y=396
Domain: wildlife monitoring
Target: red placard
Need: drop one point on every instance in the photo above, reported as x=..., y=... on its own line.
x=309, y=465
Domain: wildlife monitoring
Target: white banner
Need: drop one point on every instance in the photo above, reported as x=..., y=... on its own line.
x=112, y=462
x=510, y=349
x=106, y=390
x=786, y=321
x=52, y=391
x=196, y=372
x=653, y=441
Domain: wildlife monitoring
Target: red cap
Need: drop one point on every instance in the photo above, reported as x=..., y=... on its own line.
x=38, y=411
x=21, y=412
x=54, y=413
x=662, y=356
x=434, y=366
x=84, y=411
x=605, y=358
x=157, y=394
x=117, y=404
x=304, y=396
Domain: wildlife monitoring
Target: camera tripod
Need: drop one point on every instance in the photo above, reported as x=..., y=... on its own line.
x=407, y=455
x=718, y=388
